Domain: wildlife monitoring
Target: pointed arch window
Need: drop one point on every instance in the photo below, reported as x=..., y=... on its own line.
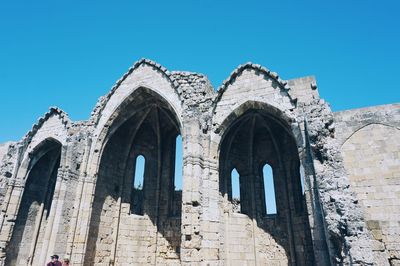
x=35, y=203
x=176, y=188
x=235, y=192
x=178, y=164
x=137, y=194
x=139, y=172
x=302, y=179
x=269, y=190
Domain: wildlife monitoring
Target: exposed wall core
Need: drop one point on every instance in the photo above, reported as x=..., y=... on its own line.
x=137, y=224
x=257, y=139
x=27, y=238
x=370, y=144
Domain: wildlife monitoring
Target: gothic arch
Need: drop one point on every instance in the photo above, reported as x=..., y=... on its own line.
x=364, y=126
x=145, y=76
x=146, y=124
x=253, y=83
x=254, y=134
x=286, y=119
x=258, y=69
x=146, y=63
x=29, y=244
x=40, y=154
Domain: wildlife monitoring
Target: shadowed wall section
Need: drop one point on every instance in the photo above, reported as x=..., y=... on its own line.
x=27, y=238
x=254, y=140
x=137, y=223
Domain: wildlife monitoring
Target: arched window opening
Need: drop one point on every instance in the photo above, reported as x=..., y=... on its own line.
x=178, y=164
x=235, y=194
x=137, y=186
x=139, y=173
x=261, y=145
x=176, y=189
x=35, y=204
x=302, y=179
x=269, y=190
x=136, y=177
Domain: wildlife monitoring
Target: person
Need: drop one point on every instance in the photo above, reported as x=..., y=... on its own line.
x=54, y=261
x=65, y=262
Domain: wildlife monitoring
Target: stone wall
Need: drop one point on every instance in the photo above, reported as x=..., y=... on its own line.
x=5, y=162
x=94, y=215
x=370, y=143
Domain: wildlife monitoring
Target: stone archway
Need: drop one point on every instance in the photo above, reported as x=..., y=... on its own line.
x=25, y=247
x=251, y=141
x=129, y=224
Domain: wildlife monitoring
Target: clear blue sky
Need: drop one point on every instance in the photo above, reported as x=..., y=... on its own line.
x=68, y=53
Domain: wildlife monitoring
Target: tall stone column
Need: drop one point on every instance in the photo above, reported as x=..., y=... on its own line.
x=211, y=212
x=9, y=207
x=53, y=220
x=13, y=198
x=87, y=188
x=193, y=171
x=80, y=219
x=196, y=98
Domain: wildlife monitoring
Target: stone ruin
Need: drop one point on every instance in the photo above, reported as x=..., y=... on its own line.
x=67, y=186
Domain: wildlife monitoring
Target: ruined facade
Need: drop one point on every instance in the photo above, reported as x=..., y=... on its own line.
x=68, y=186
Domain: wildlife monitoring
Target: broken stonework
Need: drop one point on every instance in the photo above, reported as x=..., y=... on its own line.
x=68, y=186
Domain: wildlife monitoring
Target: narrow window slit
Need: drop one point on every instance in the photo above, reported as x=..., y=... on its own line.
x=302, y=179
x=137, y=194
x=178, y=164
x=269, y=190
x=235, y=181
x=176, y=189
x=139, y=173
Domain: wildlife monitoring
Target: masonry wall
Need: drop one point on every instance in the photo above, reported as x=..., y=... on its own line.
x=3, y=177
x=96, y=217
x=34, y=210
x=370, y=143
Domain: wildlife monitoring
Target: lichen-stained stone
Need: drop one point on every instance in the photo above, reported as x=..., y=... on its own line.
x=73, y=188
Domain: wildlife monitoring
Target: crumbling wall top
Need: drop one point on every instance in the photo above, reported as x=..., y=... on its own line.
x=102, y=102
x=42, y=120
